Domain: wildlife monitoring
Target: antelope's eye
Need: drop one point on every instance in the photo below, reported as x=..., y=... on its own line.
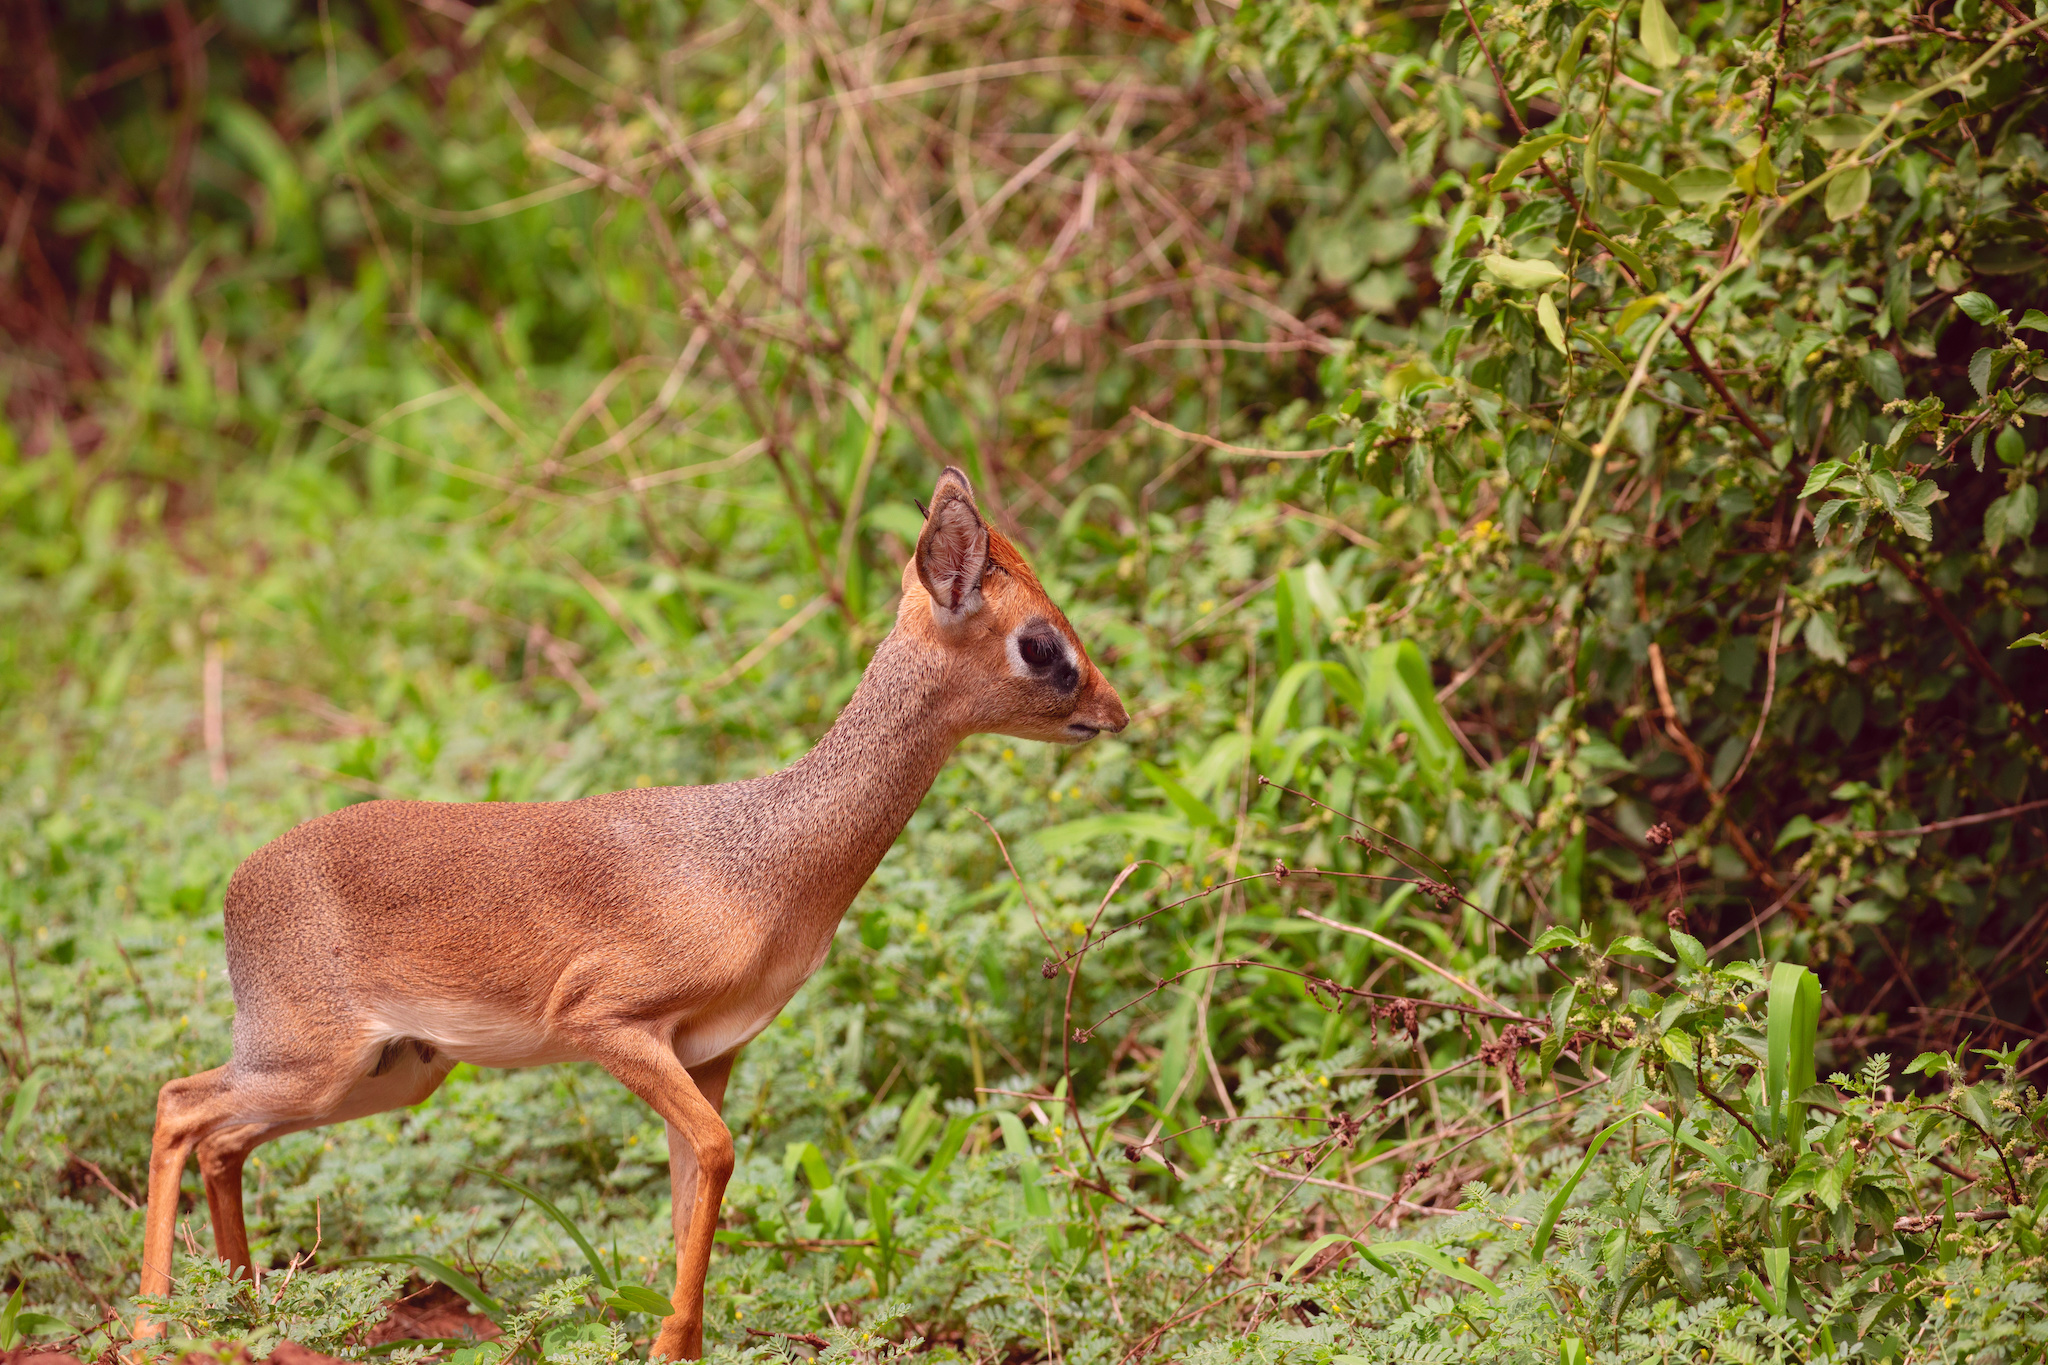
x=1038, y=651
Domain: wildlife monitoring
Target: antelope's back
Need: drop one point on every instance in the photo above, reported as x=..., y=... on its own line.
x=453, y=900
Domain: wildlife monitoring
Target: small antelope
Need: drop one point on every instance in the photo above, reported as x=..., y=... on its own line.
x=654, y=932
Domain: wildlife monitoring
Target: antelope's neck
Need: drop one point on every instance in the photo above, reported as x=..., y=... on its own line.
x=832, y=814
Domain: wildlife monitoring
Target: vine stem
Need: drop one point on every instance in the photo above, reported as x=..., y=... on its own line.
x=1729, y=1110
x=1067, y=1014
x=2012, y=1186
x=1770, y=690
x=1521, y=129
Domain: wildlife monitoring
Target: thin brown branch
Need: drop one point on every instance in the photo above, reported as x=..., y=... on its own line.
x=1252, y=452
x=1729, y=1110
x=1959, y=822
x=1697, y=761
x=1097, y=1187
x=1719, y=385
x=1418, y=959
x=1770, y=691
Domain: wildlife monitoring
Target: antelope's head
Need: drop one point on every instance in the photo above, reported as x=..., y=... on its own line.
x=969, y=592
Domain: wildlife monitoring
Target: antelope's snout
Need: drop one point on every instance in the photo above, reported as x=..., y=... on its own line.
x=1096, y=709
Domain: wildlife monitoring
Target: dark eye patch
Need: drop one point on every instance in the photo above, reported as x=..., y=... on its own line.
x=1038, y=651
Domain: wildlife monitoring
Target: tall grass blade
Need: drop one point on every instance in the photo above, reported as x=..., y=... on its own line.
x=1788, y=1052
x=562, y=1220
x=446, y=1274
x=1430, y=1256
x=1555, y=1207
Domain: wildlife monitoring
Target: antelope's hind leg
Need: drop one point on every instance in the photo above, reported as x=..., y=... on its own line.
x=188, y=1110
x=228, y=1112
x=221, y=1156
x=405, y=1073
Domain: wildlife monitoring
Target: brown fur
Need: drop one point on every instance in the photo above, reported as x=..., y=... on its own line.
x=652, y=931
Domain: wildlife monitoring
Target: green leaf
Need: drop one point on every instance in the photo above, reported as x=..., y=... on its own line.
x=1556, y=936
x=1373, y=1251
x=1638, y=946
x=9, y=1337
x=957, y=1129
x=1626, y=255
x=1691, y=952
x=2011, y=447
x=1186, y=802
x=1822, y=639
x=1712, y=1153
x=1984, y=368
x=1839, y=132
x=2039, y=640
x=2011, y=517
x=1568, y=62
x=1397, y=675
x=1833, y=1181
x=1635, y=310
x=1659, y=35
x=1797, y=828
x=1684, y=1264
x=1825, y=517
x=638, y=1298
x=1821, y=476
x=1552, y=325
x=1702, y=185
x=2033, y=318
x=1037, y=1202
x=1802, y=1180
x=1650, y=183
x=1749, y=233
x=1916, y=522
x=1521, y=274
x=1437, y=1261
x=1608, y=357
x=1136, y=825
x=25, y=1097
x=1847, y=193
x=1979, y=308
x=1881, y=372
x=41, y=1325
x=1520, y=158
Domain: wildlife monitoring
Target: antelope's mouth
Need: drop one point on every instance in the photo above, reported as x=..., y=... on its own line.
x=1081, y=733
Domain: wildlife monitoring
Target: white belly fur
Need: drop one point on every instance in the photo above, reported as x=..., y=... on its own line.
x=476, y=1032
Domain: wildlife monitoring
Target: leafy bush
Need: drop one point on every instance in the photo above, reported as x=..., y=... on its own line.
x=323, y=1311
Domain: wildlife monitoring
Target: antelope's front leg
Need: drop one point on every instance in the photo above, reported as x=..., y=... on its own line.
x=695, y=1214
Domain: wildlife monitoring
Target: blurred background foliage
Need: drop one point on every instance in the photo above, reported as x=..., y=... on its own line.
x=1427, y=409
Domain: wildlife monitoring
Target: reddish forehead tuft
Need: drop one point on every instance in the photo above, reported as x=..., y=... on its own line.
x=1005, y=556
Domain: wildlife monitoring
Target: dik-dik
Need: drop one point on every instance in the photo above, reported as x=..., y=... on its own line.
x=654, y=932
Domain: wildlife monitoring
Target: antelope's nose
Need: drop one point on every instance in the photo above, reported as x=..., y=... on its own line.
x=1104, y=709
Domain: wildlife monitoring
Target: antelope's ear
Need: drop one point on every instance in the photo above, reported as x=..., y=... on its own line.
x=952, y=552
